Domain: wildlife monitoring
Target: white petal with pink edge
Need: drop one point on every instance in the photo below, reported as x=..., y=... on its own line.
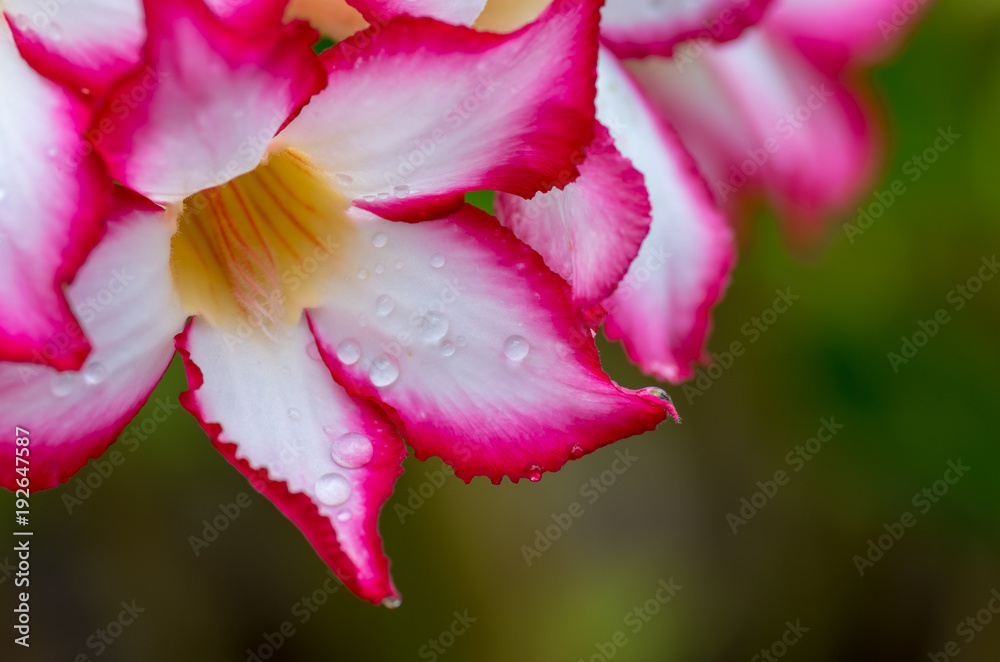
x=85, y=43
x=590, y=231
x=457, y=12
x=636, y=28
x=207, y=101
x=662, y=309
x=420, y=112
x=473, y=346
x=127, y=307
x=327, y=460
x=758, y=116
x=53, y=195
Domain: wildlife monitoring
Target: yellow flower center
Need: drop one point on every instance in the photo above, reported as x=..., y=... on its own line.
x=259, y=248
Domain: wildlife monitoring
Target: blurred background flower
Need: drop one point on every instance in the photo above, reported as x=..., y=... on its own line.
x=660, y=507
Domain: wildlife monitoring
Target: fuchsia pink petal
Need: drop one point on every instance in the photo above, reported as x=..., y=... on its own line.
x=662, y=310
x=457, y=12
x=637, y=28
x=590, y=231
x=87, y=44
x=758, y=116
x=474, y=348
x=207, y=101
x=328, y=461
x=124, y=298
x=53, y=196
x=417, y=112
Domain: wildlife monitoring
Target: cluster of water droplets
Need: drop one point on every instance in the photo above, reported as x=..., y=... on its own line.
x=64, y=383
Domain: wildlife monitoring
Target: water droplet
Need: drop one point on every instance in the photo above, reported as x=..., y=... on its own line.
x=384, y=304
x=515, y=348
x=383, y=196
x=384, y=370
x=447, y=348
x=401, y=191
x=658, y=392
x=380, y=239
x=62, y=384
x=576, y=450
x=56, y=33
x=349, y=351
x=294, y=414
x=333, y=489
x=399, y=265
x=94, y=373
x=461, y=341
x=343, y=180
x=344, y=516
x=329, y=430
x=352, y=450
x=362, y=320
x=312, y=351
x=379, y=268
x=85, y=91
x=534, y=473
x=369, y=198
x=362, y=273
x=433, y=327
x=392, y=603
x=437, y=261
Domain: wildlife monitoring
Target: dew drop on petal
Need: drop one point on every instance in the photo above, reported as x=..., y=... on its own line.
x=392, y=603
x=447, y=348
x=352, y=450
x=62, y=384
x=333, y=489
x=399, y=265
x=328, y=429
x=294, y=414
x=94, y=373
x=312, y=351
x=437, y=261
x=384, y=370
x=515, y=348
x=369, y=198
x=383, y=196
x=362, y=320
x=401, y=191
x=534, y=473
x=576, y=450
x=344, y=516
x=433, y=327
x=362, y=273
x=384, y=304
x=461, y=341
x=344, y=180
x=380, y=239
x=658, y=392
x=348, y=352
x=379, y=269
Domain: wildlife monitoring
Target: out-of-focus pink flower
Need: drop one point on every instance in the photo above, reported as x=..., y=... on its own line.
x=324, y=330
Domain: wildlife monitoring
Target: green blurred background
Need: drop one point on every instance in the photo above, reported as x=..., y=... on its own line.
x=666, y=515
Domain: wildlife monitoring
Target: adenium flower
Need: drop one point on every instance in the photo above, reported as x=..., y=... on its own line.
x=262, y=196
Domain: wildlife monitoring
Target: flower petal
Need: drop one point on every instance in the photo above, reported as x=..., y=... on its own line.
x=473, y=346
x=53, y=196
x=662, y=309
x=427, y=111
x=636, y=28
x=457, y=12
x=207, y=102
x=590, y=231
x=328, y=461
x=755, y=114
x=124, y=298
x=85, y=43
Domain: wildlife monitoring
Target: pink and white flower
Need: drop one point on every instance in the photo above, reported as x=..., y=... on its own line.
x=265, y=190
